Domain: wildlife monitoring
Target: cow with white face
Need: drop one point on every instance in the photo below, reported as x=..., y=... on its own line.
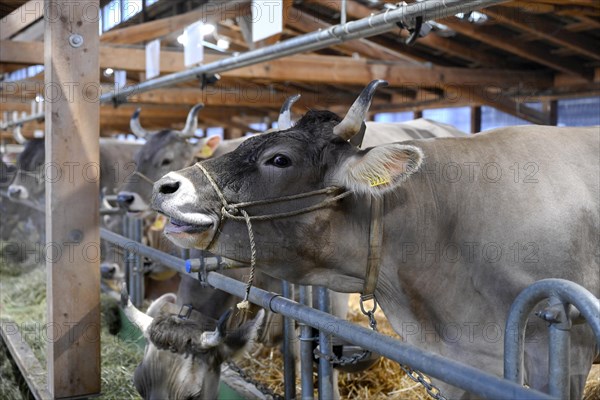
x=189, y=351
x=308, y=192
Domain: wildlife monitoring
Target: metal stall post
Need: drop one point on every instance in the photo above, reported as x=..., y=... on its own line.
x=289, y=359
x=325, y=368
x=559, y=345
x=306, y=348
x=132, y=229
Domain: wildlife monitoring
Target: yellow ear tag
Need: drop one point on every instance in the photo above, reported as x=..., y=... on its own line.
x=205, y=152
x=377, y=181
x=159, y=223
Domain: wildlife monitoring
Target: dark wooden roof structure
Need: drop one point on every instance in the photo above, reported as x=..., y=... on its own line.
x=502, y=56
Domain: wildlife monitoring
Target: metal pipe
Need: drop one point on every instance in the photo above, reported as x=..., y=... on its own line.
x=514, y=338
x=325, y=367
x=306, y=348
x=137, y=275
x=165, y=259
x=289, y=359
x=463, y=376
x=559, y=344
x=343, y=12
x=365, y=27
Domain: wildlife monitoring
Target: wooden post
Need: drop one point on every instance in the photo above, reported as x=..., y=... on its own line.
x=550, y=107
x=476, y=119
x=417, y=114
x=71, y=52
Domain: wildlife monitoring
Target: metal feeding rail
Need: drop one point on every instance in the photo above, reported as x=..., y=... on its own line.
x=365, y=27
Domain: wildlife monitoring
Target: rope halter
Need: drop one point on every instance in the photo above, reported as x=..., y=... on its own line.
x=236, y=212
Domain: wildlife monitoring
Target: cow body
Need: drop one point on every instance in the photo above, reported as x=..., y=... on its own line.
x=468, y=223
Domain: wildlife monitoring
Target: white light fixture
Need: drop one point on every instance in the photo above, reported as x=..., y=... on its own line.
x=39, y=99
x=207, y=29
x=108, y=72
x=182, y=39
x=223, y=44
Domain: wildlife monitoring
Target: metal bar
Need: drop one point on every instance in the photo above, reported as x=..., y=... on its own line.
x=289, y=359
x=165, y=259
x=136, y=275
x=306, y=348
x=28, y=203
x=365, y=27
x=559, y=363
x=566, y=291
x=325, y=367
x=463, y=376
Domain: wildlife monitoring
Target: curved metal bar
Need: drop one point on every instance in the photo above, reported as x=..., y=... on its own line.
x=566, y=291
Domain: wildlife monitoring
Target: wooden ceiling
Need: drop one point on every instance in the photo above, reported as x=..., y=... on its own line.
x=514, y=53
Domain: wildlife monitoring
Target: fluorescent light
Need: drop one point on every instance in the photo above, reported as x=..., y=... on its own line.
x=223, y=44
x=207, y=29
x=108, y=72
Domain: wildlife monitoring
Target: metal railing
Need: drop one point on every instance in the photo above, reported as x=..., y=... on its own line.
x=562, y=295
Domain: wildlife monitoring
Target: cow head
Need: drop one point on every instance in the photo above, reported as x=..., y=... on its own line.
x=28, y=183
x=164, y=151
x=313, y=155
x=183, y=357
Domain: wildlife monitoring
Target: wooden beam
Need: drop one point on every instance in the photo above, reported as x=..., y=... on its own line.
x=209, y=12
x=301, y=68
x=21, y=18
x=505, y=104
x=546, y=29
x=72, y=204
x=496, y=37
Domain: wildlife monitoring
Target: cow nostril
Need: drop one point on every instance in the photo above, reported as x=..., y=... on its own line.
x=13, y=192
x=169, y=188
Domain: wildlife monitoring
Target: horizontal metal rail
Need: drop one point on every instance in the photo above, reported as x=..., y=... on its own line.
x=168, y=260
x=463, y=376
x=365, y=27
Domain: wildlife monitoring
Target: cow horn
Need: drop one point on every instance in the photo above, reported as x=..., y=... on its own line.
x=354, y=119
x=215, y=338
x=18, y=135
x=285, y=115
x=136, y=127
x=191, y=123
x=134, y=315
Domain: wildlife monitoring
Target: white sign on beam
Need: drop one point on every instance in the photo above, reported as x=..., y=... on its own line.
x=267, y=18
x=153, y=59
x=193, y=50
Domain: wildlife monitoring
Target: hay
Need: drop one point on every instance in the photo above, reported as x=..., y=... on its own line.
x=23, y=300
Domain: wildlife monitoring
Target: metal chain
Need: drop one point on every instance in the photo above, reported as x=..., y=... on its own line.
x=413, y=374
x=344, y=360
x=419, y=377
x=264, y=389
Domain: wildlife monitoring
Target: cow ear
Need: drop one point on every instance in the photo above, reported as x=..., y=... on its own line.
x=376, y=170
x=237, y=341
x=207, y=147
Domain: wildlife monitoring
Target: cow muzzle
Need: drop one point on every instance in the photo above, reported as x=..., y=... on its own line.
x=18, y=192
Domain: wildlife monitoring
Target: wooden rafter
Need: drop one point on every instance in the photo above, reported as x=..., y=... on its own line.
x=332, y=70
x=21, y=18
x=544, y=28
x=495, y=37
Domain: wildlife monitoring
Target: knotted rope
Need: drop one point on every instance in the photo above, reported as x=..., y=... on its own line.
x=231, y=210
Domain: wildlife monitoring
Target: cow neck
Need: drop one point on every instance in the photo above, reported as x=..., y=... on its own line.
x=232, y=211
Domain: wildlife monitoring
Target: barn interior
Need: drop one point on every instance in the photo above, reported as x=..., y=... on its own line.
x=518, y=62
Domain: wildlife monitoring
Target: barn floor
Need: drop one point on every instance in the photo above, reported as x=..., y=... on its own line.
x=22, y=299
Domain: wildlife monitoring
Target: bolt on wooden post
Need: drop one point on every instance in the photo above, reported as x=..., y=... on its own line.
x=71, y=47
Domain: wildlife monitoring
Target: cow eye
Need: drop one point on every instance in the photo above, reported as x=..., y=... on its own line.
x=280, y=161
x=164, y=162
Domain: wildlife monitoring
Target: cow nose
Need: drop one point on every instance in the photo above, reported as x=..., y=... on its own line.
x=14, y=192
x=125, y=199
x=169, y=187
